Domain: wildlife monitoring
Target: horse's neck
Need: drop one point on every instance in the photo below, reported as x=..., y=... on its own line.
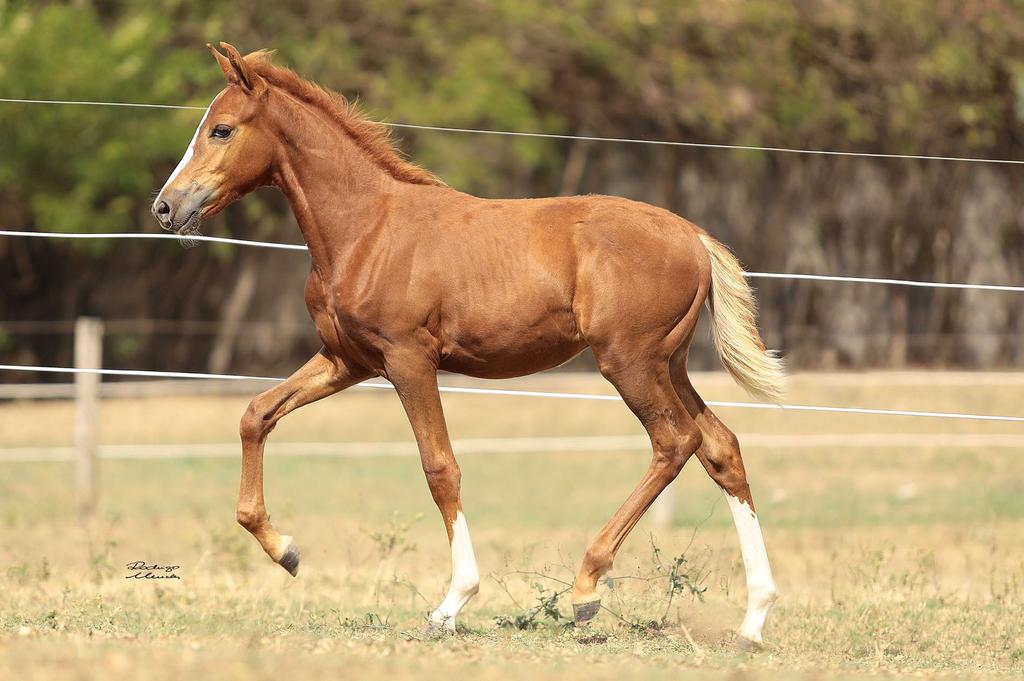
x=332, y=185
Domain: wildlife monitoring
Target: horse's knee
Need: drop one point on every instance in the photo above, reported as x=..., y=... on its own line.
x=255, y=424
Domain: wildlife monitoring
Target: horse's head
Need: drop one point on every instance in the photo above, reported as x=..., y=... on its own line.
x=230, y=154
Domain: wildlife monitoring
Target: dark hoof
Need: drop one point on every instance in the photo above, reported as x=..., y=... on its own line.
x=584, y=612
x=290, y=560
x=747, y=646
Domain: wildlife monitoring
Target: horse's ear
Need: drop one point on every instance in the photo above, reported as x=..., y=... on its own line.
x=223, y=62
x=246, y=77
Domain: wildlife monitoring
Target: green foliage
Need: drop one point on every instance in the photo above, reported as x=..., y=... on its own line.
x=682, y=580
x=89, y=168
x=916, y=75
x=546, y=610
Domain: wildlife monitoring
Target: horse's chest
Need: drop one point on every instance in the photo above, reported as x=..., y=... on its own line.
x=349, y=322
x=333, y=325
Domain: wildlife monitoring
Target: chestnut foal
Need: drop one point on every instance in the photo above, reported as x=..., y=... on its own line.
x=409, y=276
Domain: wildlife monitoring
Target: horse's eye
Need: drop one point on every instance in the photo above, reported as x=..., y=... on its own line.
x=221, y=132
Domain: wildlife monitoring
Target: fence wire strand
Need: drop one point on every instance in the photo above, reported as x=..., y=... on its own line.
x=528, y=393
x=586, y=138
x=303, y=247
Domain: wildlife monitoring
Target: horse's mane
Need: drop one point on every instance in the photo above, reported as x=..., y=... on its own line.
x=372, y=137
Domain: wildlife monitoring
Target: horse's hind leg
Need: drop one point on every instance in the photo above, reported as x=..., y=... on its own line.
x=647, y=390
x=319, y=377
x=720, y=454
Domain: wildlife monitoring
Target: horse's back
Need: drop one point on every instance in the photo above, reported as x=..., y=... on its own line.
x=572, y=270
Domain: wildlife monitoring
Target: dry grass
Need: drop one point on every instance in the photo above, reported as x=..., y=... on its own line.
x=903, y=561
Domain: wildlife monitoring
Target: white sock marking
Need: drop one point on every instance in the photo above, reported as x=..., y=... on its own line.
x=760, y=584
x=191, y=149
x=465, y=576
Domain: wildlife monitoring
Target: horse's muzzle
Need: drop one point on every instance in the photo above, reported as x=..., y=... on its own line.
x=177, y=209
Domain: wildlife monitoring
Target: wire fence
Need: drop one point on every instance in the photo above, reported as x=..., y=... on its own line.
x=585, y=138
x=303, y=247
x=527, y=393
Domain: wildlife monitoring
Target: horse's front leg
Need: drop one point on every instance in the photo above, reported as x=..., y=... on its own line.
x=417, y=388
x=319, y=377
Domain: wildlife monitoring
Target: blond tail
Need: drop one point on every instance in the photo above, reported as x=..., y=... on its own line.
x=734, y=327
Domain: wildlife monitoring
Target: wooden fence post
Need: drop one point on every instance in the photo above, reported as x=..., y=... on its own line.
x=88, y=355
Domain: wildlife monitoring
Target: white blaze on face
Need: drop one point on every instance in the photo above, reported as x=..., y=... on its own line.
x=190, y=151
x=760, y=584
x=465, y=576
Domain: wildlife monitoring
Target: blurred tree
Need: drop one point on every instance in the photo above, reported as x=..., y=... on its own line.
x=942, y=77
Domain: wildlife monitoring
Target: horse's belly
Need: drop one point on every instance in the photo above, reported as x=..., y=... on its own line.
x=521, y=362
x=505, y=346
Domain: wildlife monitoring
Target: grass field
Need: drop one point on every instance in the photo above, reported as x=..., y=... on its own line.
x=900, y=559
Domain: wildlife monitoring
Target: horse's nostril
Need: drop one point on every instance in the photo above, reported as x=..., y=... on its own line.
x=162, y=208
